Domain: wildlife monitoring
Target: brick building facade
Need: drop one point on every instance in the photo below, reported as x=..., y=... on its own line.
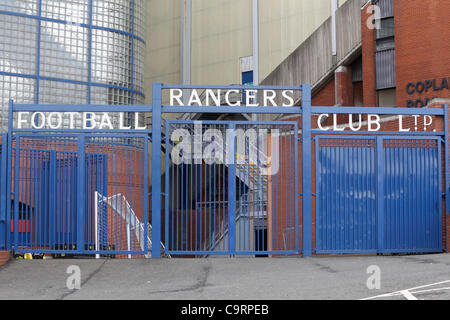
x=404, y=61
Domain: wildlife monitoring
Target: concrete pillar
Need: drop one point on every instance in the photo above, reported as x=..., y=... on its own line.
x=341, y=86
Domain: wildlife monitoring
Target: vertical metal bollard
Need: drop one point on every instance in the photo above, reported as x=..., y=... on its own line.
x=306, y=170
x=156, y=171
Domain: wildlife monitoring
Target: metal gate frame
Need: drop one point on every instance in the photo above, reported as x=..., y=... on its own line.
x=307, y=136
x=238, y=238
x=441, y=136
x=159, y=109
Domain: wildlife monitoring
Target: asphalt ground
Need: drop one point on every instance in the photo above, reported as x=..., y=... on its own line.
x=423, y=277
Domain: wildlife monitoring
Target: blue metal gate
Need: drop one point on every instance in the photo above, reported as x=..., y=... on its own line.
x=86, y=191
x=379, y=194
x=412, y=201
x=62, y=204
x=77, y=191
x=3, y=189
x=223, y=188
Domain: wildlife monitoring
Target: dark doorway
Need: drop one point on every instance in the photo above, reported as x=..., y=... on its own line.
x=261, y=242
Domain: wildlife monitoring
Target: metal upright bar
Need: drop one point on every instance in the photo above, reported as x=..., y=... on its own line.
x=231, y=137
x=156, y=170
x=306, y=172
x=81, y=192
x=296, y=195
x=380, y=194
x=9, y=192
x=446, y=163
x=3, y=191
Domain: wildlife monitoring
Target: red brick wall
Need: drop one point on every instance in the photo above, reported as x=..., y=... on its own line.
x=325, y=96
x=4, y=257
x=422, y=41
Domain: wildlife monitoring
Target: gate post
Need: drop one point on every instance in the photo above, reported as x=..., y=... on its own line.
x=380, y=194
x=156, y=171
x=3, y=192
x=306, y=171
x=81, y=192
x=9, y=165
x=446, y=175
x=231, y=189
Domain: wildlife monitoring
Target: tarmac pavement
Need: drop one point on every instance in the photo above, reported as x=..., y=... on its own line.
x=325, y=277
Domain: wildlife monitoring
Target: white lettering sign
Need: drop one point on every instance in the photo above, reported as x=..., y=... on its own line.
x=80, y=120
x=373, y=123
x=231, y=97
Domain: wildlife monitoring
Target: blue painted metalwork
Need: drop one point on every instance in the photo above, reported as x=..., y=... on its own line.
x=84, y=25
x=381, y=214
x=307, y=171
x=38, y=58
x=63, y=204
x=231, y=159
x=412, y=196
x=156, y=169
x=222, y=199
x=81, y=192
x=92, y=84
x=370, y=194
x=67, y=205
x=446, y=166
x=378, y=194
x=446, y=156
x=3, y=189
x=345, y=201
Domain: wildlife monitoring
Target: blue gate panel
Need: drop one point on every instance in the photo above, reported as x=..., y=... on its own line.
x=231, y=188
x=197, y=205
x=346, y=184
x=412, y=197
x=378, y=195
